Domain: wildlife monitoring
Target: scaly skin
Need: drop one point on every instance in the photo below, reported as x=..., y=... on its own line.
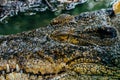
x=86, y=49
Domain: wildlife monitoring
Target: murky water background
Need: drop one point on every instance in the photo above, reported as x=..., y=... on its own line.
x=23, y=22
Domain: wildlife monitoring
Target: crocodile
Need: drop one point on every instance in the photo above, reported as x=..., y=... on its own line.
x=81, y=47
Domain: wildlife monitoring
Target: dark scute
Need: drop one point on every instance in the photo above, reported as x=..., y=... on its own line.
x=110, y=12
x=107, y=32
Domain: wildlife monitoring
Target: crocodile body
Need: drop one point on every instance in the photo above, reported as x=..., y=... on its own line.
x=83, y=47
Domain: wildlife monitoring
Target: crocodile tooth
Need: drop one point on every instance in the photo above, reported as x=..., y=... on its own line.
x=1, y=58
x=21, y=71
x=12, y=77
x=2, y=77
x=12, y=70
x=3, y=72
x=7, y=68
x=17, y=68
x=28, y=75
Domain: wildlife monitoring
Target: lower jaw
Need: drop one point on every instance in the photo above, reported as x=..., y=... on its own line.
x=74, y=69
x=69, y=75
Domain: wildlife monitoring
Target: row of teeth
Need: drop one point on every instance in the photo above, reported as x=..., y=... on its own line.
x=4, y=72
x=8, y=70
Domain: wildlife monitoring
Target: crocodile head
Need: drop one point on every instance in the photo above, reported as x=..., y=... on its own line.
x=102, y=59
x=86, y=49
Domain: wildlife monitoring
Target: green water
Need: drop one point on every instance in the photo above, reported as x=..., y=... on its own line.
x=22, y=22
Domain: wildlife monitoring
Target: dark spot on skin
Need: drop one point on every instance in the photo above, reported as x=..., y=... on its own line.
x=103, y=32
x=110, y=12
x=107, y=32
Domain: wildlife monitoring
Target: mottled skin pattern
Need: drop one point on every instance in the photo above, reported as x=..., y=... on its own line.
x=84, y=47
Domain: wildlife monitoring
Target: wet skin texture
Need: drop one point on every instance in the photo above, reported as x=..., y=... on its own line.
x=82, y=47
